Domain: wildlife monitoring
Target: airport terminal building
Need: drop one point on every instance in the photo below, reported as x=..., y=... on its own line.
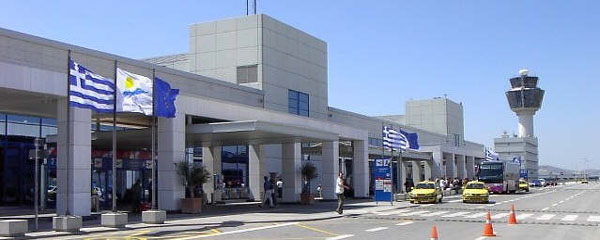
x=253, y=102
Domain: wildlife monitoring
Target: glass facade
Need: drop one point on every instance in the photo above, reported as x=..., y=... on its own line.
x=234, y=166
x=298, y=103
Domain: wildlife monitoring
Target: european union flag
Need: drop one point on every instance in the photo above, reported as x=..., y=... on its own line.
x=164, y=99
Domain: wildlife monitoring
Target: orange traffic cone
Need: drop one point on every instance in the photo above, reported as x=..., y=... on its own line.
x=512, y=218
x=434, y=235
x=488, y=230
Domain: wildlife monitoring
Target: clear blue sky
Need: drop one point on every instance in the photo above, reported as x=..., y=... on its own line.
x=382, y=53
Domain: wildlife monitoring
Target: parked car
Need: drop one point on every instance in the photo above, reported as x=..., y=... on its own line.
x=426, y=191
x=535, y=183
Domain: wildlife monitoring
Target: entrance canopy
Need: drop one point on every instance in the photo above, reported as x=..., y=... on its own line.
x=253, y=132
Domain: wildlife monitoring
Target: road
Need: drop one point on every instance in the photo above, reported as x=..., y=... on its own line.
x=563, y=212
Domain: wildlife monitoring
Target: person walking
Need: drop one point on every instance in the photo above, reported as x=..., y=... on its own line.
x=268, y=186
x=340, y=186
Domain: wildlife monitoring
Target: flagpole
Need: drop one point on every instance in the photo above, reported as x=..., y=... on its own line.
x=153, y=141
x=114, y=146
x=67, y=148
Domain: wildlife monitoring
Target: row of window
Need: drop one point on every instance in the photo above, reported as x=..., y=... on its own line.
x=19, y=125
x=375, y=142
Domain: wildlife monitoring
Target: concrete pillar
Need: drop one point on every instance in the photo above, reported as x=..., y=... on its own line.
x=402, y=174
x=427, y=170
x=292, y=179
x=450, y=165
x=257, y=170
x=330, y=168
x=437, y=168
x=416, y=171
x=171, y=150
x=460, y=166
x=211, y=159
x=360, y=168
x=76, y=178
x=470, y=167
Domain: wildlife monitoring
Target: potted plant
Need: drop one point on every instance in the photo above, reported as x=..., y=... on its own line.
x=309, y=172
x=192, y=177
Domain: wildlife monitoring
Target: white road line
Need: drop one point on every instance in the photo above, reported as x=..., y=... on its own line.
x=427, y=205
x=412, y=213
x=524, y=216
x=405, y=223
x=434, y=214
x=569, y=218
x=593, y=219
x=500, y=215
x=561, y=202
x=546, y=217
x=476, y=215
x=546, y=208
x=455, y=214
x=340, y=237
x=376, y=229
x=554, y=205
x=480, y=238
x=453, y=201
x=393, y=212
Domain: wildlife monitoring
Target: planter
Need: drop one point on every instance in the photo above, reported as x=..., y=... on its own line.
x=306, y=198
x=191, y=205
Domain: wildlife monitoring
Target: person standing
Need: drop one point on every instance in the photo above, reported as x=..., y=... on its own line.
x=268, y=186
x=279, y=188
x=340, y=186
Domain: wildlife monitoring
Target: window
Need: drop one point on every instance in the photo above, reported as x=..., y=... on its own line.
x=247, y=74
x=298, y=103
x=376, y=142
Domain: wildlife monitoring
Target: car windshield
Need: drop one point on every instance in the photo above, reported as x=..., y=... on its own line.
x=476, y=186
x=425, y=186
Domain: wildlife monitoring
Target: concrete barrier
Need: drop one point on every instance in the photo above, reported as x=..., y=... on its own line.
x=154, y=216
x=114, y=219
x=67, y=223
x=13, y=228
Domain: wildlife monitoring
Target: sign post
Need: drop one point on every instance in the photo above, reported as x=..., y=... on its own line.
x=383, y=180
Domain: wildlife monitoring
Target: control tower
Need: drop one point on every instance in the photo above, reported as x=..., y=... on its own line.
x=525, y=99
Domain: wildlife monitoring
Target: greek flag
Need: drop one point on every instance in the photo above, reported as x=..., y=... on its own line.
x=517, y=160
x=394, y=140
x=490, y=155
x=90, y=90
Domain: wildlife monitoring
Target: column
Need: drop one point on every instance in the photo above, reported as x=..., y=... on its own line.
x=470, y=167
x=211, y=160
x=360, y=168
x=450, y=166
x=416, y=171
x=76, y=177
x=460, y=166
x=330, y=168
x=292, y=180
x=437, y=167
x=257, y=170
x=171, y=150
x=402, y=174
x=427, y=170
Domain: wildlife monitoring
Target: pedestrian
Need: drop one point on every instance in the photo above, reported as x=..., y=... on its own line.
x=443, y=184
x=273, y=192
x=279, y=187
x=268, y=186
x=340, y=186
x=320, y=190
x=407, y=185
x=136, y=191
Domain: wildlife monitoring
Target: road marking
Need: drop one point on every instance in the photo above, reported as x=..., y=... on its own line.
x=561, y=202
x=393, y=212
x=405, y=223
x=315, y=229
x=434, y=214
x=546, y=217
x=524, y=216
x=426, y=205
x=554, y=205
x=340, y=237
x=546, y=208
x=476, y=215
x=376, y=229
x=455, y=214
x=241, y=231
x=480, y=238
x=453, y=201
x=570, y=218
x=413, y=213
x=593, y=219
x=500, y=215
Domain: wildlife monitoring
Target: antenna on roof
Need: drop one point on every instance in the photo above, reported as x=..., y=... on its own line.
x=254, y=7
x=247, y=6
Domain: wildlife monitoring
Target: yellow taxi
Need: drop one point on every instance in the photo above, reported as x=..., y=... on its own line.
x=523, y=185
x=475, y=192
x=426, y=191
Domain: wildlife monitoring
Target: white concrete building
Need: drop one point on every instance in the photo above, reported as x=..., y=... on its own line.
x=253, y=102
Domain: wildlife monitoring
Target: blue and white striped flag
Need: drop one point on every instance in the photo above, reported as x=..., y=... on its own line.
x=490, y=155
x=394, y=140
x=90, y=90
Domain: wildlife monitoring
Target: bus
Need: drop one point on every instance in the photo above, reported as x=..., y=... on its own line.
x=500, y=176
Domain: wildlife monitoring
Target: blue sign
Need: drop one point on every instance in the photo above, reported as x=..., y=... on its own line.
x=382, y=178
x=524, y=173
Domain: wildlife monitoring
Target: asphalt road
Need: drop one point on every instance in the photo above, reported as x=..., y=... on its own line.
x=563, y=212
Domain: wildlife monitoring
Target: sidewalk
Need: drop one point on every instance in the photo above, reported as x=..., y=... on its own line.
x=228, y=214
